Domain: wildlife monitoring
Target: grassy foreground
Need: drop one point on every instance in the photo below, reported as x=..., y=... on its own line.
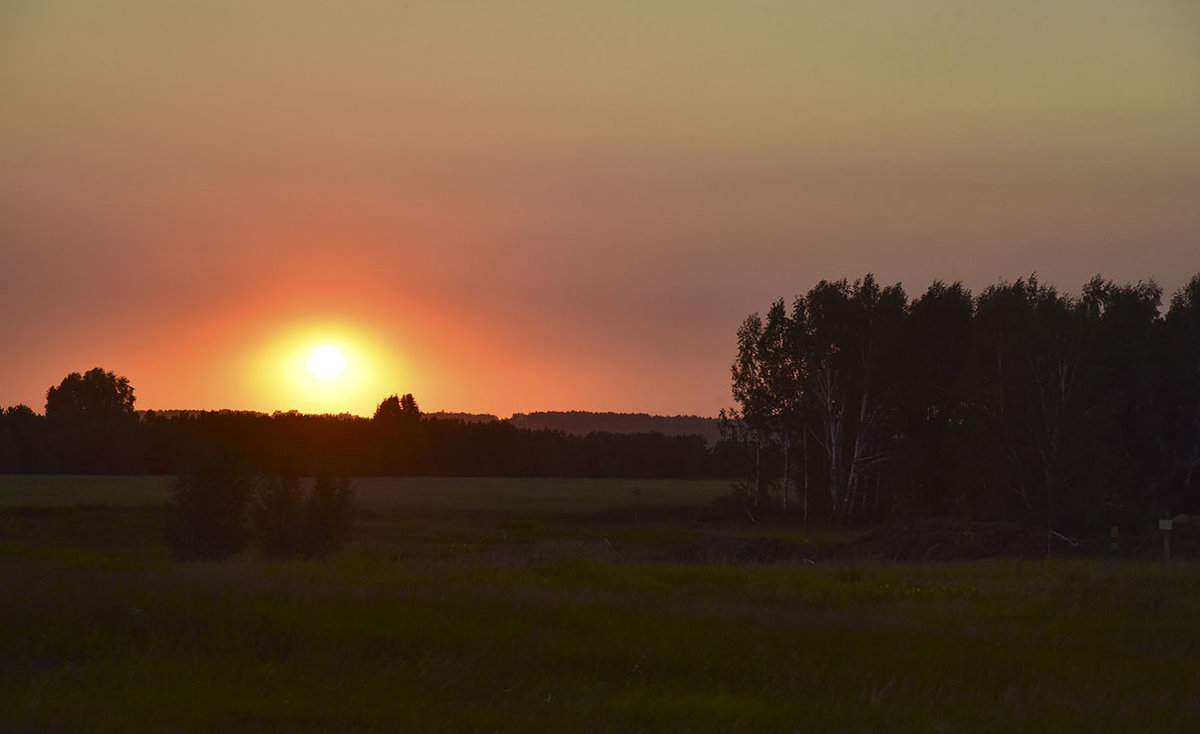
x=570, y=618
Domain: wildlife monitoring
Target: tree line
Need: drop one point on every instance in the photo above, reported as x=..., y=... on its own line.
x=90, y=427
x=1023, y=402
x=583, y=422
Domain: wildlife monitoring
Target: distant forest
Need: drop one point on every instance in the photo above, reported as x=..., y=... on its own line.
x=583, y=422
x=1075, y=412
x=90, y=427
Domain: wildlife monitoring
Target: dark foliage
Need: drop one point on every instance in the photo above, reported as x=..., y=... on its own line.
x=1022, y=403
x=24, y=442
x=95, y=431
x=358, y=446
x=206, y=510
x=218, y=509
x=581, y=423
x=327, y=515
x=285, y=523
x=93, y=427
x=277, y=515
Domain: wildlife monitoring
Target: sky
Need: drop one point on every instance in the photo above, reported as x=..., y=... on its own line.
x=512, y=206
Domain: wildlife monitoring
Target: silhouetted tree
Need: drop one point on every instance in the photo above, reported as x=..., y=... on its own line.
x=328, y=512
x=395, y=408
x=932, y=405
x=1121, y=456
x=388, y=409
x=399, y=435
x=10, y=450
x=1034, y=379
x=276, y=514
x=826, y=374
x=95, y=395
x=408, y=407
x=1075, y=412
x=206, y=508
x=92, y=418
x=767, y=377
x=851, y=348
x=24, y=446
x=759, y=408
x=1181, y=396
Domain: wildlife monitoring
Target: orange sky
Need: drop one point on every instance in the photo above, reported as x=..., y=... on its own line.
x=518, y=206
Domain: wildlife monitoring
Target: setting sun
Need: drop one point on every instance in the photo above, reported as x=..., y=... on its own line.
x=326, y=363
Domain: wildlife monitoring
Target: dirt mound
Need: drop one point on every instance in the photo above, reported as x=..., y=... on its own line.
x=953, y=540
x=942, y=540
x=729, y=549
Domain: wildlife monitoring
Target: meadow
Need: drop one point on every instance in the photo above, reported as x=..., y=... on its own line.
x=564, y=605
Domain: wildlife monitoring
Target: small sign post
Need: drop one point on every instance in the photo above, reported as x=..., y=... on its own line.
x=1165, y=527
x=1114, y=535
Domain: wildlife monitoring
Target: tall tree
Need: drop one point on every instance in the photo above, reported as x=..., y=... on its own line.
x=851, y=344
x=752, y=391
x=92, y=418
x=395, y=408
x=398, y=430
x=23, y=442
x=1122, y=469
x=206, y=508
x=766, y=385
x=932, y=406
x=96, y=395
x=1181, y=387
x=1032, y=392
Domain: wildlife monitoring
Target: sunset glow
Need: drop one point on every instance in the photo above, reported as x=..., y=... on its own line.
x=516, y=207
x=324, y=368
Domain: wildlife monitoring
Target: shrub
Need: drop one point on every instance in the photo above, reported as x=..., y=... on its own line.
x=206, y=508
x=327, y=515
x=276, y=515
x=215, y=511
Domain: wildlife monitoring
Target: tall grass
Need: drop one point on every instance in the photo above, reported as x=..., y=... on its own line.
x=364, y=644
x=395, y=494
x=443, y=624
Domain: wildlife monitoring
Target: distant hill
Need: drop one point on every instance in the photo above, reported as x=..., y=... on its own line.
x=582, y=422
x=464, y=417
x=574, y=422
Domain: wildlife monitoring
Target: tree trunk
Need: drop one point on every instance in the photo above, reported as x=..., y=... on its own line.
x=804, y=501
x=757, y=471
x=786, y=470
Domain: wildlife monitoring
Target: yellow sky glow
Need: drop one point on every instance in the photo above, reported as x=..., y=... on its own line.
x=278, y=372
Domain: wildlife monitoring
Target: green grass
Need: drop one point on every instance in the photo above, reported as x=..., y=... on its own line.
x=529, y=496
x=549, y=620
x=395, y=494
x=31, y=490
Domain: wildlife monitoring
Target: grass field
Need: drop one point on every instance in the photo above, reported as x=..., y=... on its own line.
x=506, y=605
x=393, y=494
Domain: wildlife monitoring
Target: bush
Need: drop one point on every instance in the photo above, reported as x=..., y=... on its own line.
x=276, y=515
x=327, y=515
x=206, y=511
x=216, y=510
x=286, y=524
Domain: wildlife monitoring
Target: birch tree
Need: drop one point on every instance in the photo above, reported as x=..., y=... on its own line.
x=850, y=348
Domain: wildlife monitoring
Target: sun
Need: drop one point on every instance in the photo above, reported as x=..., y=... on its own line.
x=326, y=363
x=326, y=366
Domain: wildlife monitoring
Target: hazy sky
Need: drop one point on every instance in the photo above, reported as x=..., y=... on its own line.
x=515, y=206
